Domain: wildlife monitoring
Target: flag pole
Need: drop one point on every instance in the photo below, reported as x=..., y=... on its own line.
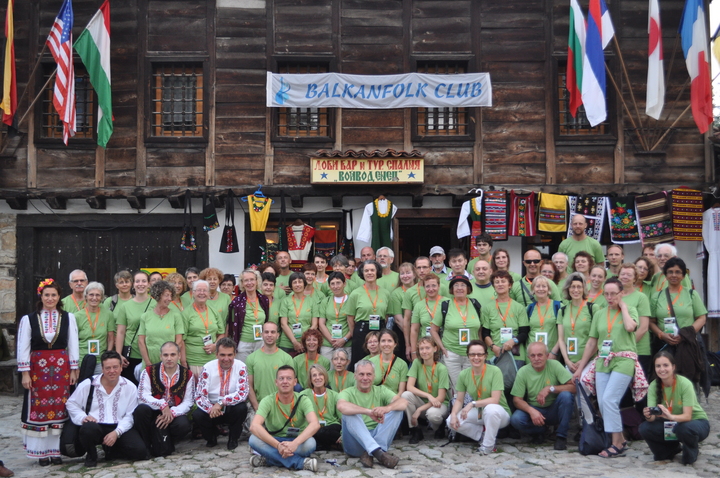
x=627, y=78
x=632, y=120
x=658, y=127
x=671, y=127
x=672, y=107
x=32, y=74
x=42, y=90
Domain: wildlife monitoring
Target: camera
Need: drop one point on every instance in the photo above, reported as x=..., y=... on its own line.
x=655, y=411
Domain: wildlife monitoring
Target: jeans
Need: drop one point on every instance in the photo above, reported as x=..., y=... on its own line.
x=689, y=434
x=358, y=439
x=273, y=457
x=493, y=418
x=610, y=388
x=559, y=413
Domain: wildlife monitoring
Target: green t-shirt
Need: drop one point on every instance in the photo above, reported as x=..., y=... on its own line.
x=492, y=381
x=325, y=406
x=659, y=282
x=582, y=322
x=412, y=296
x=598, y=301
x=457, y=333
x=254, y=315
x=274, y=310
x=302, y=367
x=549, y=324
x=640, y=301
x=339, y=382
x=335, y=314
x=186, y=299
x=393, y=377
x=622, y=340
x=129, y=314
x=158, y=330
x=196, y=329
x=687, y=307
x=523, y=295
x=376, y=397
x=516, y=317
x=263, y=368
x=297, y=311
x=571, y=247
x=275, y=414
x=483, y=294
x=529, y=382
x=425, y=312
x=70, y=306
x=684, y=396
x=360, y=303
x=108, y=302
x=396, y=301
x=220, y=304
x=103, y=322
x=438, y=378
x=471, y=265
x=281, y=280
x=389, y=282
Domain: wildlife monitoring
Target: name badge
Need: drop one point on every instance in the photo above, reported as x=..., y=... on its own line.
x=207, y=340
x=464, y=336
x=541, y=337
x=572, y=345
x=297, y=330
x=93, y=347
x=337, y=331
x=292, y=432
x=374, y=322
x=506, y=333
x=606, y=348
x=257, y=332
x=668, y=432
x=670, y=325
x=427, y=332
x=322, y=423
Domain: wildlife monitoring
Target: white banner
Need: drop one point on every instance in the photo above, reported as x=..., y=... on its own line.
x=410, y=90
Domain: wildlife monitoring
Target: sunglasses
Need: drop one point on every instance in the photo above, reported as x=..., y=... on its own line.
x=532, y=261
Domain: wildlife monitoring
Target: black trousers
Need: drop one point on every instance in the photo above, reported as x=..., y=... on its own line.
x=129, y=371
x=145, y=417
x=234, y=417
x=689, y=434
x=326, y=438
x=129, y=445
x=359, y=332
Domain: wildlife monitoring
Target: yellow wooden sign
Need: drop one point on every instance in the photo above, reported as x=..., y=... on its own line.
x=367, y=171
x=162, y=270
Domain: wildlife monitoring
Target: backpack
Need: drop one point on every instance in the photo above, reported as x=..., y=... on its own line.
x=714, y=361
x=589, y=306
x=446, y=304
x=557, y=305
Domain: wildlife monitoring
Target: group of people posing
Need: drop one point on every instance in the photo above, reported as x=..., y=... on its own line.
x=344, y=360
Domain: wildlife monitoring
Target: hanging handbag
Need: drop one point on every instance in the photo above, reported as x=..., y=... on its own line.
x=210, y=220
x=593, y=438
x=125, y=351
x=70, y=436
x=229, y=242
x=187, y=243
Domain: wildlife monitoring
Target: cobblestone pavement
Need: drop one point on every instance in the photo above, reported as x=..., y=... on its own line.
x=427, y=459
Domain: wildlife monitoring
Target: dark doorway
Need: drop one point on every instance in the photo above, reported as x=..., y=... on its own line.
x=418, y=235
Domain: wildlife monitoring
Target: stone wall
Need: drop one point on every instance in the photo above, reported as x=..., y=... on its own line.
x=8, y=273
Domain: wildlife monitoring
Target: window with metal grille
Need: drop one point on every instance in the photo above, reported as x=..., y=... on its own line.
x=85, y=108
x=442, y=122
x=303, y=122
x=177, y=100
x=578, y=125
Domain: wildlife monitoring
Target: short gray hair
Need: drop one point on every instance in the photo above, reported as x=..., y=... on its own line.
x=340, y=351
x=389, y=251
x=673, y=249
x=558, y=254
x=541, y=344
x=94, y=286
x=77, y=270
x=201, y=282
x=364, y=362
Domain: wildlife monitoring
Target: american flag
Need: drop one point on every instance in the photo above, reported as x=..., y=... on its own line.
x=60, y=43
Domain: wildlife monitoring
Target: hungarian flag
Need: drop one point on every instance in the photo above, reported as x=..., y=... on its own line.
x=599, y=33
x=655, y=78
x=695, y=47
x=93, y=46
x=9, y=101
x=576, y=44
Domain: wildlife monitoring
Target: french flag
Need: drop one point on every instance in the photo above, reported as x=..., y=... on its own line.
x=599, y=33
x=695, y=47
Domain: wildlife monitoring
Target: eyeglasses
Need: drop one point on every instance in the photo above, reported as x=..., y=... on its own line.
x=611, y=294
x=78, y=281
x=476, y=355
x=532, y=261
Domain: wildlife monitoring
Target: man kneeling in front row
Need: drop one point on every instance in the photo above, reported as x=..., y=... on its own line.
x=371, y=416
x=110, y=419
x=283, y=427
x=165, y=395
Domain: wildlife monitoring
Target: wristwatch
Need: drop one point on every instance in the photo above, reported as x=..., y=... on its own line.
x=552, y=388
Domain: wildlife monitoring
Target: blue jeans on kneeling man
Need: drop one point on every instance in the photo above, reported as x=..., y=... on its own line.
x=358, y=439
x=558, y=413
x=273, y=457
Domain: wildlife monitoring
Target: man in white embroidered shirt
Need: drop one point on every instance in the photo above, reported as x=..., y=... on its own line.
x=221, y=394
x=166, y=395
x=110, y=420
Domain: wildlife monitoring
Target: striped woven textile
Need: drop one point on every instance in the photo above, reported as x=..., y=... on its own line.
x=522, y=214
x=496, y=214
x=687, y=211
x=552, y=216
x=654, y=216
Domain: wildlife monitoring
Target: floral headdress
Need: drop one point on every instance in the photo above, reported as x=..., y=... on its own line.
x=44, y=284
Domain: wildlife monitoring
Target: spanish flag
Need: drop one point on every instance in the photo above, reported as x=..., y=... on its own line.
x=9, y=101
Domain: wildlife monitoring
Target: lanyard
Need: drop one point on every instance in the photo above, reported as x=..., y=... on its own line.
x=672, y=395
x=224, y=380
x=611, y=324
x=507, y=311
x=670, y=311
x=374, y=303
x=307, y=367
x=482, y=377
x=386, y=372
x=317, y=405
x=573, y=320
x=596, y=296
x=437, y=301
x=205, y=320
x=255, y=308
x=93, y=325
x=178, y=305
x=337, y=310
x=661, y=285
x=77, y=306
x=463, y=317
x=431, y=379
x=292, y=405
x=338, y=386
x=298, y=310
x=541, y=315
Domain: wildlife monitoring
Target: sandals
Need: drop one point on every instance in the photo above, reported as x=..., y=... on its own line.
x=612, y=452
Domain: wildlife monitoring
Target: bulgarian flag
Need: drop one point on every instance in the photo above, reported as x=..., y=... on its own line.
x=695, y=47
x=576, y=45
x=9, y=101
x=93, y=46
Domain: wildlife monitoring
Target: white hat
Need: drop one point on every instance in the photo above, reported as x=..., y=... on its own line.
x=437, y=250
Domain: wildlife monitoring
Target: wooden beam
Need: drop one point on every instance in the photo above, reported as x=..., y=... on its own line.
x=551, y=99
x=136, y=202
x=100, y=167
x=296, y=201
x=142, y=84
x=211, y=80
x=458, y=200
x=476, y=115
x=57, y=202
x=96, y=202
x=17, y=203
x=177, y=202
x=417, y=200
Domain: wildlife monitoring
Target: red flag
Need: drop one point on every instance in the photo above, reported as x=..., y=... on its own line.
x=9, y=101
